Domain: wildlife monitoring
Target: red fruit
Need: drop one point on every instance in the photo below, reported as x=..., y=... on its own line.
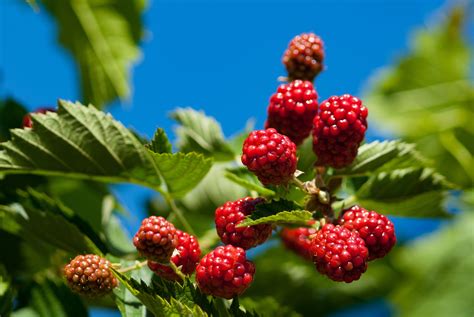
x=304, y=57
x=339, y=253
x=292, y=110
x=229, y=215
x=377, y=230
x=28, y=122
x=298, y=240
x=156, y=239
x=270, y=155
x=186, y=257
x=339, y=128
x=90, y=275
x=225, y=272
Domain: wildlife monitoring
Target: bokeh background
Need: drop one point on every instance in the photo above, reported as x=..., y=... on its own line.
x=224, y=57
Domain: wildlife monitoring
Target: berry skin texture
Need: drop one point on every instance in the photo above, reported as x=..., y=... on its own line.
x=28, y=122
x=377, y=230
x=156, y=239
x=304, y=57
x=186, y=257
x=90, y=275
x=225, y=272
x=339, y=128
x=298, y=240
x=229, y=215
x=339, y=253
x=270, y=155
x=292, y=110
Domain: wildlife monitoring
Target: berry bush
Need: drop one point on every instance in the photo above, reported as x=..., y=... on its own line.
x=262, y=224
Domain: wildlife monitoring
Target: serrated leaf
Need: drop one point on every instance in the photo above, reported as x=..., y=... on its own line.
x=277, y=212
x=200, y=133
x=103, y=37
x=247, y=180
x=378, y=157
x=160, y=142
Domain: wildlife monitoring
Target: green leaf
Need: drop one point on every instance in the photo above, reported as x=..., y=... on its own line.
x=160, y=142
x=244, y=178
x=103, y=37
x=386, y=156
x=306, y=159
x=200, y=133
x=281, y=212
x=11, y=116
x=117, y=238
x=407, y=192
x=268, y=307
x=6, y=293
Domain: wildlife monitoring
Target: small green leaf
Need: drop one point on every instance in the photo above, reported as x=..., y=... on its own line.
x=244, y=178
x=160, y=142
x=306, y=159
x=200, y=133
x=279, y=212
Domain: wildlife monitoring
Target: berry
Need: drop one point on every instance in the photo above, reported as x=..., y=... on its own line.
x=299, y=240
x=90, y=275
x=304, y=57
x=339, y=253
x=28, y=122
x=339, y=128
x=156, y=239
x=186, y=256
x=229, y=215
x=270, y=155
x=292, y=110
x=376, y=230
x=225, y=272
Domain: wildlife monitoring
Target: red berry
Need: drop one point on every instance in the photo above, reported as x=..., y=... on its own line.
x=156, y=239
x=28, y=122
x=377, y=230
x=186, y=257
x=90, y=275
x=304, y=56
x=292, y=110
x=229, y=215
x=225, y=272
x=299, y=240
x=270, y=155
x=339, y=128
x=339, y=253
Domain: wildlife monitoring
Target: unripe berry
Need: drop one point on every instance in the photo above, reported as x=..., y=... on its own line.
x=377, y=230
x=292, y=110
x=298, y=240
x=28, y=122
x=304, y=57
x=270, y=155
x=225, y=272
x=90, y=275
x=156, y=239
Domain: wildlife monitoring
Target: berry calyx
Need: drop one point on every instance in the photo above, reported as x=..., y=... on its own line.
x=339, y=128
x=229, y=215
x=298, y=240
x=292, y=110
x=90, y=275
x=304, y=57
x=270, y=155
x=28, y=122
x=339, y=253
x=185, y=257
x=156, y=239
x=225, y=272
x=377, y=230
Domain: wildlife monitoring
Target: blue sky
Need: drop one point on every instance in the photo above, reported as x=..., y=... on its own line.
x=220, y=56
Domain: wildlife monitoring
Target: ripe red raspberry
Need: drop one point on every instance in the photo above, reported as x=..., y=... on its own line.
x=225, y=272
x=28, y=122
x=376, y=230
x=186, y=257
x=90, y=275
x=339, y=253
x=304, y=57
x=339, y=128
x=156, y=239
x=292, y=110
x=229, y=215
x=270, y=155
x=299, y=240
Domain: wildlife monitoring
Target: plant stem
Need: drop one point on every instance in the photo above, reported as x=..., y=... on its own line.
x=221, y=307
x=298, y=184
x=177, y=212
x=177, y=270
x=133, y=267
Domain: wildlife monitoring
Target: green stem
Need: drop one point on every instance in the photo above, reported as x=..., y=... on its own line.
x=298, y=184
x=133, y=267
x=221, y=308
x=178, y=213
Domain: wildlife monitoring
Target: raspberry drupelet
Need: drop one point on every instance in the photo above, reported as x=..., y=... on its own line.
x=156, y=239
